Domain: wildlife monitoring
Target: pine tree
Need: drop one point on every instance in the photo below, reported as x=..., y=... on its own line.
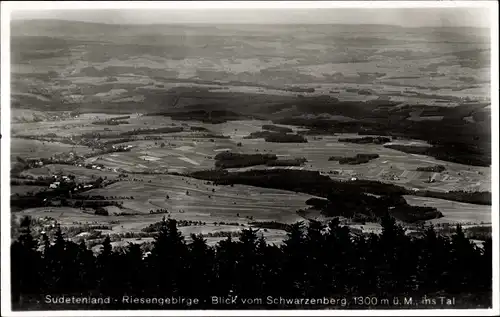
x=316, y=264
x=45, y=242
x=24, y=257
x=71, y=266
x=463, y=255
x=225, y=267
x=485, y=271
x=248, y=281
x=25, y=237
x=294, y=262
x=338, y=258
x=373, y=257
x=105, y=267
x=430, y=263
x=270, y=259
x=86, y=266
x=392, y=243
x=201, y=267
x=134, y=270
x=361, y=268
x=168, y=259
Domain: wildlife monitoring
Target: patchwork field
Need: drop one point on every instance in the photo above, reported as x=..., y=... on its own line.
x=189, y=200
x=192, y=199
x=23, y=190
x=454, y=212
x=83, y=174
x=191, y=151
x=69, y=84
x=130, y=70
x=39, y=149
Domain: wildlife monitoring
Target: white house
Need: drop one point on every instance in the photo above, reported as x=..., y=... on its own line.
x=55, y=185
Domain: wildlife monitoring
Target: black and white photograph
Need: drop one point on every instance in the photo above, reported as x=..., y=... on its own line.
x=223, y=157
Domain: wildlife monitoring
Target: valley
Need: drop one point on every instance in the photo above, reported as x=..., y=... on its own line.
x=140, y=113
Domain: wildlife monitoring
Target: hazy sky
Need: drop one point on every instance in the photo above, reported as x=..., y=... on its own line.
x=409, y=17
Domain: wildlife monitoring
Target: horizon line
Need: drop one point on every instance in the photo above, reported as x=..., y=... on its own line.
x=246, y=23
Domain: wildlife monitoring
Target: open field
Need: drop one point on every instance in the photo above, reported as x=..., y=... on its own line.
x=454, y=212
x=23, y=190
x=83, y=174
x=201, y=202
x=188, y=199
x=39, y=149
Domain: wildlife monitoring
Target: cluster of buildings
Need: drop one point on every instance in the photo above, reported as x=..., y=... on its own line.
x=122, y=147
x=58, y=180
x=92, y=166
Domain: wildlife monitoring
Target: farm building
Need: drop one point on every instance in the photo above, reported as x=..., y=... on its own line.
x=55, y=185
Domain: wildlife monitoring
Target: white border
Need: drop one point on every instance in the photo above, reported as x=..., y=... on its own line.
x=86, y=5
x=8, y=7
x=495, y=217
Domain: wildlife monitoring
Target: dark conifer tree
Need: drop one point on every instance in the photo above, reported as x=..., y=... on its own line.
x=269, y=259
x=432, y=263
x=134, y=269
x=294, y=262
x=322, y=262
x=359, y=284
x=316, y=266
x=201, y=267
x=485, y=272
x=463, y=254
x=392, y=244
x=58, y=262
x=248, y=279
x=339, y=260
x=373, y=258
x=24, y=257
x=86, y=267
x=45, y=242
x=225, y=267
x=105, y=267
x=168, y=259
